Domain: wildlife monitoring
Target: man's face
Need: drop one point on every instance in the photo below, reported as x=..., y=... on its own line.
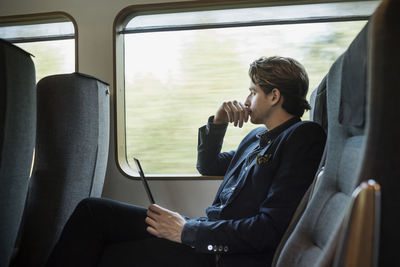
x=259, y=104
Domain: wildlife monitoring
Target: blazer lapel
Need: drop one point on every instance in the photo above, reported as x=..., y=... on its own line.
x=248, y=171
x=241, y=159
x=236, y=165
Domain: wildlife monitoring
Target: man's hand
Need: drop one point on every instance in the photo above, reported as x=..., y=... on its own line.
x=164, y=223
x=232, y=111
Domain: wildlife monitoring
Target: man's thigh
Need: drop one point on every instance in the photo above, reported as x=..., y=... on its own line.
x=114, y=221
x=153, y=252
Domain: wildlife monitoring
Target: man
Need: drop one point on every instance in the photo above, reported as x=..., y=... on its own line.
x=264, y=180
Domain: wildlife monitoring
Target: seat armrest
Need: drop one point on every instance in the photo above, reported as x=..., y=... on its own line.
x=359, y=242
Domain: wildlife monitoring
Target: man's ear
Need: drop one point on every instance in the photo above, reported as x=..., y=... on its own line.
x=276, y=96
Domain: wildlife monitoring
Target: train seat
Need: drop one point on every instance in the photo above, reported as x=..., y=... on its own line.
x=360, y=122
x=71, y=158
x=17, y=140
x=383, y=143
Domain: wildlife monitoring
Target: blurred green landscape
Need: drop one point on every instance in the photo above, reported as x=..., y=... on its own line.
x=51, y=57
x=176, y=80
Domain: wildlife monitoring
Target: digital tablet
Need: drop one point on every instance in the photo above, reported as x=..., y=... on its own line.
x=143, y=178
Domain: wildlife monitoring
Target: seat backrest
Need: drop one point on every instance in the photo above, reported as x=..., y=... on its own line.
x=17, y=140
x=383, y=143
x=318, y=105
x=313, y=240
x=71, y=158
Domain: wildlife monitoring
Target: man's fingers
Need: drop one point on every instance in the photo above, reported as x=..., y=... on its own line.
x=245, y=112
x=240, y=112
x=152, y=226
x=156, y=212
x=164, y=223
x=152, y=231
x=154, y=207
x=157, y=209
x=150, y=221
x=234, y=111
x=228, y=111
x=153, y=215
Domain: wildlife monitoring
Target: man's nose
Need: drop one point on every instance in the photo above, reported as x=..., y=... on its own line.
x=247, y=102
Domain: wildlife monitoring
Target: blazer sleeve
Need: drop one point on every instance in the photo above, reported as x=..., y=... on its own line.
x=299, y=161
x=210, y=160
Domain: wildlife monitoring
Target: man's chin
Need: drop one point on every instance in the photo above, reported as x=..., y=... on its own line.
x=254, y=120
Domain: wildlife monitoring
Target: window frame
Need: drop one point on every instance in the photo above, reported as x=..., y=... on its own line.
x=128, y=13
x=41, y=18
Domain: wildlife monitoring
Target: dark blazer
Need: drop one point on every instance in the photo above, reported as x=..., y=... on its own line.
x=247, y=228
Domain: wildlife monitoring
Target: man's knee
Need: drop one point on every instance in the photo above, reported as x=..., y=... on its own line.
x=85, y=202
x=88, y=205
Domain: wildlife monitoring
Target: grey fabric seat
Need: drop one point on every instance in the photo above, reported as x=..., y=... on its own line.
x=17, y=140
x=312, y=241
x=362, y=89
x=383, y=143
x=71, y=158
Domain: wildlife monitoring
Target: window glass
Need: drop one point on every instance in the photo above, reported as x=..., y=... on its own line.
x=43, y=30
x=175, y=80
x=51, y=44
x=246, y=15
x=51, y=57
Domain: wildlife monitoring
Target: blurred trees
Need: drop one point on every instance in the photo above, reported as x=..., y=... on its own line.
x=51, y=57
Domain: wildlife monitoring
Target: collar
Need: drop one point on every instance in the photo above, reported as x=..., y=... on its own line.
x=267, y=136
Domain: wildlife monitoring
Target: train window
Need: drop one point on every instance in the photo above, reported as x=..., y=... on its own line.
x=180, y=67
x=51, y=44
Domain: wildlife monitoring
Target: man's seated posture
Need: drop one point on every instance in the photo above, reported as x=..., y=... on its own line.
x=264, y=181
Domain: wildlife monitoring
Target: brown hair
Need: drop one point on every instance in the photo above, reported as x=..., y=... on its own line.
x=288, y=76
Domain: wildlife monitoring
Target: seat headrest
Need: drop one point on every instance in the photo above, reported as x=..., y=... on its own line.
x=318, y=111
x=11, y=45
x=354, y=81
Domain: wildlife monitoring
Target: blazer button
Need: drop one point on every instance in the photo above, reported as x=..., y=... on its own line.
x=210, y=247
x=215, y=248
x=221, y=248
x=226, y=249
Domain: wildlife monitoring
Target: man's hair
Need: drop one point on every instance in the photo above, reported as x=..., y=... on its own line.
x=285, y=74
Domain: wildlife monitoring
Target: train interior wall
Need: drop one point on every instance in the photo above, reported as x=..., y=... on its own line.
x=94, y=20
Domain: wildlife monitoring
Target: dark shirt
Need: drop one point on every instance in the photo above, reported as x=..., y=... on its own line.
x=265, y=179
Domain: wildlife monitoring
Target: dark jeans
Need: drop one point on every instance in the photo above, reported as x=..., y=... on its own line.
x=103, y=232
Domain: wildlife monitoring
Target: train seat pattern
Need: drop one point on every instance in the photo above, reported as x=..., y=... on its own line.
x=17, y=140
x=382, y=161
x=71, y=158
x=362, y=88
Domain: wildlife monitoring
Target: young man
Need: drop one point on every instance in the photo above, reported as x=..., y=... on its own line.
x=264, y=180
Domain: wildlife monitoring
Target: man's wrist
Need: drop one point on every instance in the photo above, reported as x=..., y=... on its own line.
x=216, y=121
x=189, y=232
x=212, y=121
x=211, y=129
